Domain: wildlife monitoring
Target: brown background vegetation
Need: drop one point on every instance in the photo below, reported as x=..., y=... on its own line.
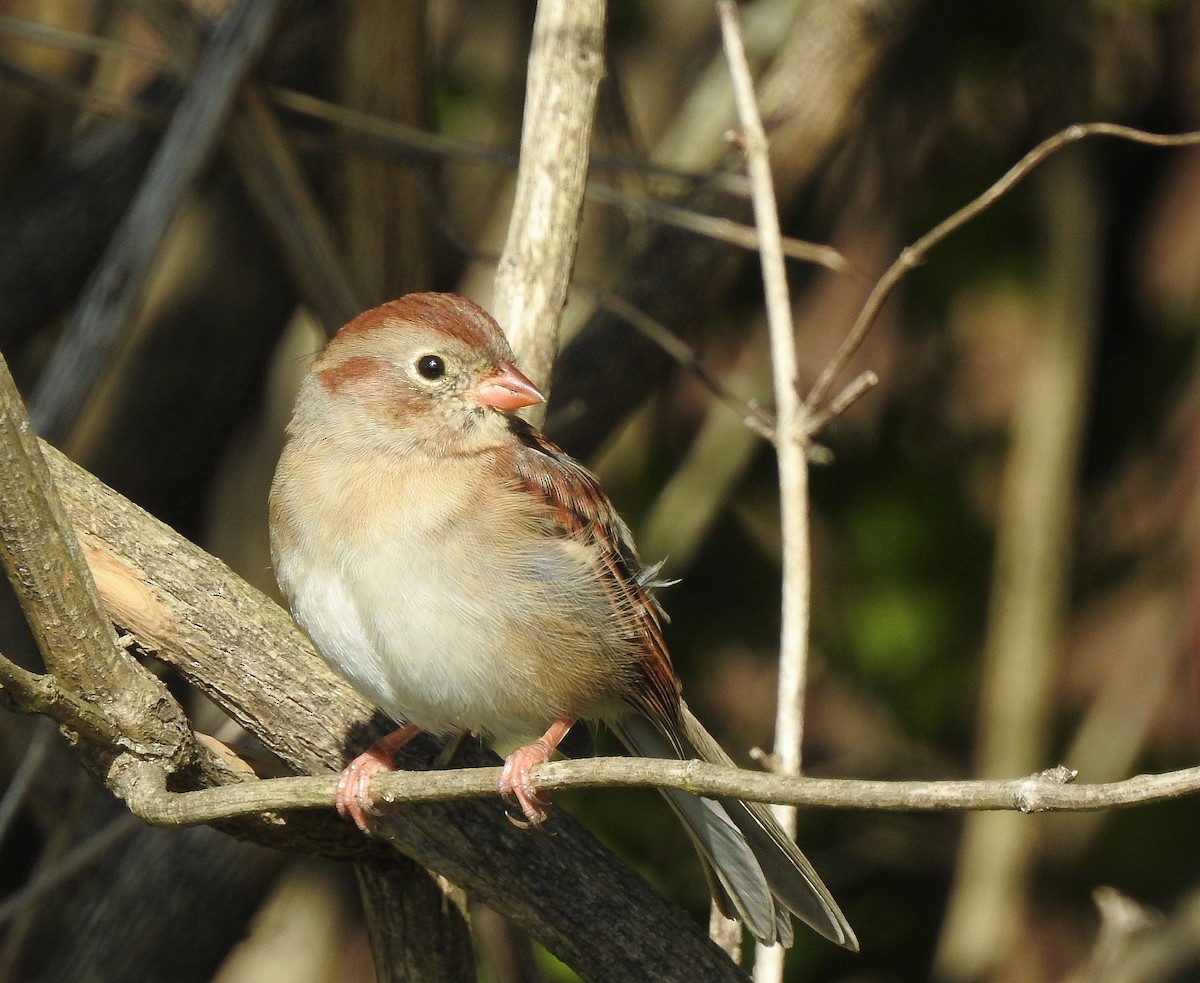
x=1005, y=534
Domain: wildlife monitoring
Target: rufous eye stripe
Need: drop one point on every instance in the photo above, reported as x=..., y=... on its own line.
x=348, y=371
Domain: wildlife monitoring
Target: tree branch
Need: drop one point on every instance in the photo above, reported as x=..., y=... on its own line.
x=1053, y=790
x=566, y=63
x=791, y=444
x=914, y=255
x=44, y=564
x=242, y=650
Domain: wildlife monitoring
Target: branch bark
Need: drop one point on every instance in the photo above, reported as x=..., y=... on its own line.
x=791, y=447
x=243, y=651
x=46, y=568
x=566, y=63
x=1053, y=790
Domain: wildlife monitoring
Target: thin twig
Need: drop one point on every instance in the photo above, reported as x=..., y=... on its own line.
x=75, y=862
x=913, y=255
x=1051, y=791
x=25, y=775
x=58, y=37
x=414, y=144
x=789, y=411
x=86, y=97
x=274, y=180
x=862, y=384
x=722, y=229
x=790, y=444
x=280, y=192
x=753, y=416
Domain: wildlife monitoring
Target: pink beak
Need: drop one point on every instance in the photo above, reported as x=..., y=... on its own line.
x=507, y=389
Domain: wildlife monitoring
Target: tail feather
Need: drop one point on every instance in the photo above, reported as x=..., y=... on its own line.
x=733, y=870
x=761, y=870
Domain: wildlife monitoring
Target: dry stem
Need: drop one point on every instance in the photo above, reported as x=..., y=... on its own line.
x=566, y=63
x=1050, y=791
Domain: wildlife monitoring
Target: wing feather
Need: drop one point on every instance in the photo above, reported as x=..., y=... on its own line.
x=584, y=513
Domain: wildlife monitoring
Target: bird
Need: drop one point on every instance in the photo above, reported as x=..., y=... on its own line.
x=467, y=575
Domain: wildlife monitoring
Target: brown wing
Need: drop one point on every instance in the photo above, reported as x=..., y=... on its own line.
x=585, y=514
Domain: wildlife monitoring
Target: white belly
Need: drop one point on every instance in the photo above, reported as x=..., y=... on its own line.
x=459, y=624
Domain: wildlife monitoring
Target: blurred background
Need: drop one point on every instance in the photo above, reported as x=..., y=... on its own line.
x=1006, y=529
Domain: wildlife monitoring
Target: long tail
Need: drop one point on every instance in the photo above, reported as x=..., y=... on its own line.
x=756, y=872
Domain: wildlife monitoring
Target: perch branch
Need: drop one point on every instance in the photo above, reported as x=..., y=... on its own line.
x=244, y=651
x=1050, y=791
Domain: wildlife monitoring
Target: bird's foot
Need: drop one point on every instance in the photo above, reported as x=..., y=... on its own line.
x=516, y=780
x=353, y=798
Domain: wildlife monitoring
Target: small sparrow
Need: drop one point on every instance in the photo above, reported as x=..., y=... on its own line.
x=465, y=574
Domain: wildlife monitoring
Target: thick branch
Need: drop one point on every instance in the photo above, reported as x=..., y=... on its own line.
x=566, y=63
x=46, y=568
x=244, y=651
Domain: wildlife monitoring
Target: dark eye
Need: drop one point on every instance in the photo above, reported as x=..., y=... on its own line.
x=431, y=367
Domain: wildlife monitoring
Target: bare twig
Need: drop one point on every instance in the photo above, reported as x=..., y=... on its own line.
x=88, y=98
x=566, y=63
x=789, y=412
x=409, y=143
x=276, y=184
x=753, y=416
x=78, y=859
x=715, y=227
x=790, y=443
x=59, y=37
x=913, y=255
x=1049, y=791
x=705, y=480
x=23, y=778
x=374, y=134
x=862, y=384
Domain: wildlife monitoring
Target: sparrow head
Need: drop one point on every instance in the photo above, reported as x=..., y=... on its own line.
x=431, y=370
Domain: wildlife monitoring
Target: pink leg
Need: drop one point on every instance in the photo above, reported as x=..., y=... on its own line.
x=354, y=784
x=516, y=782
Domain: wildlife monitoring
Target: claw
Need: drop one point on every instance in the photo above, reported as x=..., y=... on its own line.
x=516, y=779
x=353, y=798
